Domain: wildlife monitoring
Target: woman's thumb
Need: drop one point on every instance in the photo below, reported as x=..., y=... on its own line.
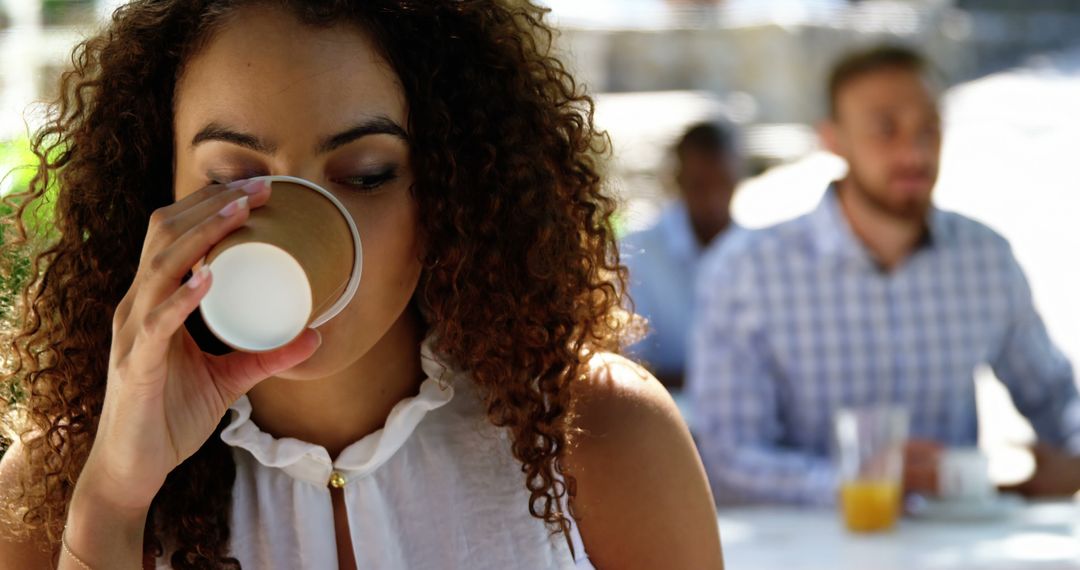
x=237, y=372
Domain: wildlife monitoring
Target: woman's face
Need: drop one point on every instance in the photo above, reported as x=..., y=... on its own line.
x=268, y=95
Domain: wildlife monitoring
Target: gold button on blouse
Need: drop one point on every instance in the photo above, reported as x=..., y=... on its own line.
x=337, y=480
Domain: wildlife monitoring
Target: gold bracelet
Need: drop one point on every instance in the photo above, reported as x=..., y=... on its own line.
x=63, y=542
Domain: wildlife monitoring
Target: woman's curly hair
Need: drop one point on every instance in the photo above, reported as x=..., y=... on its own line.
x=521, y=276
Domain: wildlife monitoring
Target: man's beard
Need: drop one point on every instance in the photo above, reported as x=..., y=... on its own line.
x=909, y=208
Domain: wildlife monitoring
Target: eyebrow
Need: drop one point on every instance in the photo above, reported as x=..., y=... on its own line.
x=379, y=125
x=218, y=132
x=374, y=126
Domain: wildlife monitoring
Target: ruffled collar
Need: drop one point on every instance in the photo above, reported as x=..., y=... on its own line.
x=310, y=462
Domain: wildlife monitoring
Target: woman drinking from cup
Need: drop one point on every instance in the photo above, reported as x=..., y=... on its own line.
x=464, y=409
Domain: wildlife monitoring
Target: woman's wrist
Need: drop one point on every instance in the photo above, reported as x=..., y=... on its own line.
x=101, y=531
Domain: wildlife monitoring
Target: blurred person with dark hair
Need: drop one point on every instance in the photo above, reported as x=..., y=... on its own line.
x=663, y=259
x=875, y=297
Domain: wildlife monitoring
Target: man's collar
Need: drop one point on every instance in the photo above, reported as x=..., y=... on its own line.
x=832, y=233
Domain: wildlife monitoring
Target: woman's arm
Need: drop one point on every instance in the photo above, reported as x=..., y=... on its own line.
x=100, y=528
x=97, y=530
x=642, y=493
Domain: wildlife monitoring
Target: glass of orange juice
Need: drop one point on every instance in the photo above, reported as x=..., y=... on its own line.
x=870, y=454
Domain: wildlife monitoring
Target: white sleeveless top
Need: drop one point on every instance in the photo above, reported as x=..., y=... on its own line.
x=437, y=487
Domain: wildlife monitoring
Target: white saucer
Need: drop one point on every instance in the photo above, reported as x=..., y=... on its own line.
x=966, y=510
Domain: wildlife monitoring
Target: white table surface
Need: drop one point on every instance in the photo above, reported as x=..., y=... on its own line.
x=1040, y=535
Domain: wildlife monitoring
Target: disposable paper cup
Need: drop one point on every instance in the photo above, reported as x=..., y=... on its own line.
x=295, y=264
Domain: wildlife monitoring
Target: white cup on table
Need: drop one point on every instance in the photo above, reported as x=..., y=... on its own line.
x=964, y=475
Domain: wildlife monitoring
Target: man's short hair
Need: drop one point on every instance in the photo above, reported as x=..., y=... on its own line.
x=860, y=63
x=712, y=137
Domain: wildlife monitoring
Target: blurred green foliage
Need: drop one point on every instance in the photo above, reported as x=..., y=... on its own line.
x=17, y=167
x=66, y=12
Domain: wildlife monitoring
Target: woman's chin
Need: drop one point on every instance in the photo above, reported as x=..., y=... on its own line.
x=316, y=366
x=328, y=360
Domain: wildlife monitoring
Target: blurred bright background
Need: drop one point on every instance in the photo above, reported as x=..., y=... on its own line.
x=1012, y=114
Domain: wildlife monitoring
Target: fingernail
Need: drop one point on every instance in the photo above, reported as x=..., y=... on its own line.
x=238, y=183
x=234, y=207
x=198, y=277
x=255, y=186
x=318, y=338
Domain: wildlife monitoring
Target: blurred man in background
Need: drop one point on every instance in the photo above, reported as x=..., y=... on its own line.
x=663, y=259
x=875, y=297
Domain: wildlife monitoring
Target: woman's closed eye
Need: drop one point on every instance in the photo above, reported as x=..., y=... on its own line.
x=369, y=182
x=219, y=177
x=362, y=182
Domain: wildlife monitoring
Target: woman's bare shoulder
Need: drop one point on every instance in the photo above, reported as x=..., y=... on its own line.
x=642, y=493
x=620, y=402
x=17, y=550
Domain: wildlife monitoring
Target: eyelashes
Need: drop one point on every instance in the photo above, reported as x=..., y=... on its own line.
x=364, y=183
x=369, y=182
